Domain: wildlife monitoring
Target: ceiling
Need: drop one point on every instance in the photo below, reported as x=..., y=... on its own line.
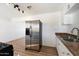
x=8, y=11
x=38, y=8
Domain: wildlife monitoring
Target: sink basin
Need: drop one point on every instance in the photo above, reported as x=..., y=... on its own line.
x=68, y=37
x=71, y=39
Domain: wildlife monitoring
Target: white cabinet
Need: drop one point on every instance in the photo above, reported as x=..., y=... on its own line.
x=68, y=6
x=68, y=19
x=62, y=49
x=71, y=8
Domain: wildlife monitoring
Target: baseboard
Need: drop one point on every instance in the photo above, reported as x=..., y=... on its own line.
x=16, y=39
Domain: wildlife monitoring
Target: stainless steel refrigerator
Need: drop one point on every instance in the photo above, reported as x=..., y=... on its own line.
x=33, y=35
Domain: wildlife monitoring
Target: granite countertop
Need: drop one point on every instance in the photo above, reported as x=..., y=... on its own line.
x=72, y=46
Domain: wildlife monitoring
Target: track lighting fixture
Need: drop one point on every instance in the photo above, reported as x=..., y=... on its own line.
x=17, y=7
x=29, y=7
x=22, y=11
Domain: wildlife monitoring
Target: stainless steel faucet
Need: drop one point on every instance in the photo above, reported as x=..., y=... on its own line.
x=77, y=32
x=76, y=29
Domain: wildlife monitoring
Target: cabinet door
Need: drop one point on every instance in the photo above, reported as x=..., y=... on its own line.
x=62, y=50
x=68, y=6
x=68, y=19
x=66, y=51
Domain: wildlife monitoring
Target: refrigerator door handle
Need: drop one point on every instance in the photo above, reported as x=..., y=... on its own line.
x=30, y=31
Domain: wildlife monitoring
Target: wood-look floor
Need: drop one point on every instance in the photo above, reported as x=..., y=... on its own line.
x=19, y=49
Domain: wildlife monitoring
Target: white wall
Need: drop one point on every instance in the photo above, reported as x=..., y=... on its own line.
x=10, y=30
x=76, y=17
x=4, y=30
x=17, y=29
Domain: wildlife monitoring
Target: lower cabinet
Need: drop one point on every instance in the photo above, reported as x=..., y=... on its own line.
x=62, y=49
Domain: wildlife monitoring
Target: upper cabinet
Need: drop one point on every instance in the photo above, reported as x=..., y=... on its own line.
x=71, y=8
x=68, y=19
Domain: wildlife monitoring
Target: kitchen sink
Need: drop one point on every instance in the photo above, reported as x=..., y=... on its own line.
x=68, y=37
x=71, y=38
